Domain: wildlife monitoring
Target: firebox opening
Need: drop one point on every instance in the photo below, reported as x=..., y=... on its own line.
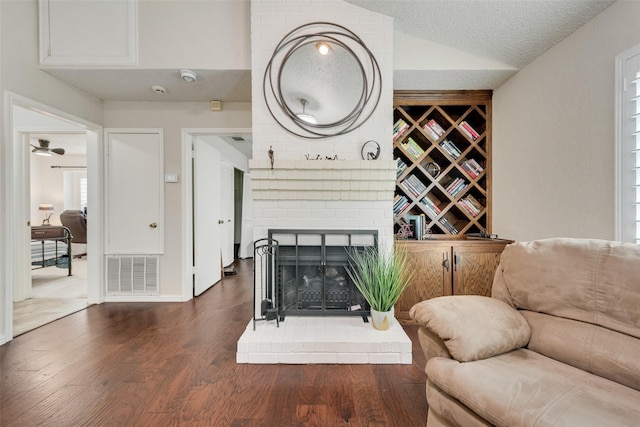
x=311, y=272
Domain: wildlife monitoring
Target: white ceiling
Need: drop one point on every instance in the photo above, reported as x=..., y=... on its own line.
x=512, y=32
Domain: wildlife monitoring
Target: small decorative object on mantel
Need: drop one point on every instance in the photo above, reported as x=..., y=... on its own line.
x=319, y=157
x=271, y=156
x=370, y=150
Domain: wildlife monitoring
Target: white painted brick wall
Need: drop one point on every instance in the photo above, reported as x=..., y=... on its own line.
x=342, y=193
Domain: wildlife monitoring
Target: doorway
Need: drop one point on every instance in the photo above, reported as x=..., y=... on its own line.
x=57, y=197
x=211, y=159
x=17, y=274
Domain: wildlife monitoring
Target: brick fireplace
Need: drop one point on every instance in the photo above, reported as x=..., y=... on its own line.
x=313, y=197
x=294, y=193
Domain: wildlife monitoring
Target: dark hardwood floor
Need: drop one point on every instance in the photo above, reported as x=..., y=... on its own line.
x=171, y=364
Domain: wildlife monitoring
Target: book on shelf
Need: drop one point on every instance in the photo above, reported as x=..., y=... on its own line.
x=402, y=166
x=400, y=203
x=434, y=129
x=468, y=206
x=450, y=228
x=432, y=209
x=413, y=185
x=476, y=165
x=470, y=131
x=399, y=128
x=413, y=148
x=456, y=186
x=432, y=133
x=451, y=148
x=472, y=168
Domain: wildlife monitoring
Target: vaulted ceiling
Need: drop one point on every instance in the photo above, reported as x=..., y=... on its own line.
x=494, y=39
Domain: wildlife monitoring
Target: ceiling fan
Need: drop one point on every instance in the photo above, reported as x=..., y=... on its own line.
x=43, y=149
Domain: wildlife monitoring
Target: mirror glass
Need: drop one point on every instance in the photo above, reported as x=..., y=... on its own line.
x=332, y=85
x=314, y=95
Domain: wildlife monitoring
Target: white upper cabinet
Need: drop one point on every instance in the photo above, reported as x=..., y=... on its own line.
x=88, y=32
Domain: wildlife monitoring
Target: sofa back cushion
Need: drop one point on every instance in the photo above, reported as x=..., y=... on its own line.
x=585, y=299
x=592, y=281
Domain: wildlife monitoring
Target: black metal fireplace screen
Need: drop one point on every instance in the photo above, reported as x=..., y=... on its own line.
x=311, y=276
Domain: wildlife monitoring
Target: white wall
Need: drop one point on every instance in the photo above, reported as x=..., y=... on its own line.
x=553, y=134
x=172, y=117
x=19, y=73
x=197, y=34
x=20, y=69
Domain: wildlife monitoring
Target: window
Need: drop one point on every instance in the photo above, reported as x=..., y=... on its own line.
x=83, y=192
x=628, y=146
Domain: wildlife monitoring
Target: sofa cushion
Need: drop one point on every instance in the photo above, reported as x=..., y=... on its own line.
x=589, y=280
x=472, y=326
x=592, y=348
x=523, y=388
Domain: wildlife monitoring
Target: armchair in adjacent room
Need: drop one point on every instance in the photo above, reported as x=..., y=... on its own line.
x=76, y=222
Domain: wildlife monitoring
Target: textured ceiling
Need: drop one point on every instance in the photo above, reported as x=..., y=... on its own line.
x=510, y=32
x=514, y=32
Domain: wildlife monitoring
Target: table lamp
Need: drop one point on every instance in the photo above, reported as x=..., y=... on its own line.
x=46, y=207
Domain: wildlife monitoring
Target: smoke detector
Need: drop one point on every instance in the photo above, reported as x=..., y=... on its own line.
x=159, y=89
x=188, y=76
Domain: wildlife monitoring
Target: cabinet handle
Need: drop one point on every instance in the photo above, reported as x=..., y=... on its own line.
x=153, y=225
x=446, y=261
x=221, y=221
x=456, y=261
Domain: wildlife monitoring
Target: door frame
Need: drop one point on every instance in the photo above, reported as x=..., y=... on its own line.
x=16, y=239
x=188, y=134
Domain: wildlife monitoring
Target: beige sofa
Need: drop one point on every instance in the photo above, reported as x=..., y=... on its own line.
x=557, y=344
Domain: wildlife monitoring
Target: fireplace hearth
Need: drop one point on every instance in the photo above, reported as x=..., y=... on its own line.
x=311, y=272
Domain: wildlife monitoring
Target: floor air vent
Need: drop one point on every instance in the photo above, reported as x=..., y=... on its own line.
x=132, y=275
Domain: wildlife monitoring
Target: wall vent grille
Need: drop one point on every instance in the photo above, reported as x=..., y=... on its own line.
x=132, y=275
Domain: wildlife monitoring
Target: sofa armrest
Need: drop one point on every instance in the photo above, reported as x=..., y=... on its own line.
x=473, y=327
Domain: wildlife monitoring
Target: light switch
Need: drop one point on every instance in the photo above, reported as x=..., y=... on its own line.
x=170, y=177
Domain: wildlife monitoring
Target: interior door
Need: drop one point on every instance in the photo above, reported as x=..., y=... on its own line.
x=227, y=206
x=135, y=206
x=206, y=213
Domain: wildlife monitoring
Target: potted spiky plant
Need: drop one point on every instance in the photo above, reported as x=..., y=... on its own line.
x=381, y=277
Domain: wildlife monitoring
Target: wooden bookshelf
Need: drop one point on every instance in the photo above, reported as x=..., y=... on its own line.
x=442, y=142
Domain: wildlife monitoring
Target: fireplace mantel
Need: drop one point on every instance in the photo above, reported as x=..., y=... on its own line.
x=323, y=179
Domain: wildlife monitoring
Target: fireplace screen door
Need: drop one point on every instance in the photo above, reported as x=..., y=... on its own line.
x=311, y=271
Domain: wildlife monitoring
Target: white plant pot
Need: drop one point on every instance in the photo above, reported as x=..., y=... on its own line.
x=382, y=319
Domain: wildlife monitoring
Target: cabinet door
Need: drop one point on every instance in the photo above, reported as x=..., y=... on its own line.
x=474, y=268
x=430, y=276
x=134, y=202
x=78, y=32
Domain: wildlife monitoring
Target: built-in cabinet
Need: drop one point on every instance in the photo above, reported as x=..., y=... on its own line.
x=442, y=143
x=460, y=266
x=80, y=32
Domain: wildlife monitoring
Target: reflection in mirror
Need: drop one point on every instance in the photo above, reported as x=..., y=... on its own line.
x=332, y=84
x=321, y=81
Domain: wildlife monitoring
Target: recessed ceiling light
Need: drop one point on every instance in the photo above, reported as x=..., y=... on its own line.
x=188, y=76
x=159, y=89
